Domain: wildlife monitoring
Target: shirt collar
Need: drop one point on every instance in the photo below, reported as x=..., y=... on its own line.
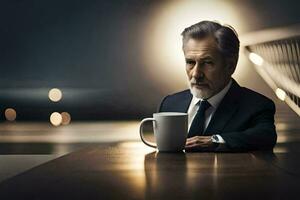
x=216, y=99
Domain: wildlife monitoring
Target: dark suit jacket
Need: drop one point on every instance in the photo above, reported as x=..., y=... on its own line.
x=244, y=118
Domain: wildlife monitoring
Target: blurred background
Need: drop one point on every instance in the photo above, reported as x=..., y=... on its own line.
x=77, y=72
x=113, y=60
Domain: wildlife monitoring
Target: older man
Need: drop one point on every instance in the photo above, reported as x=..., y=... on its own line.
x=223, y=116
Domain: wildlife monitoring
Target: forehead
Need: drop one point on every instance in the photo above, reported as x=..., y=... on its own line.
x=194, y=48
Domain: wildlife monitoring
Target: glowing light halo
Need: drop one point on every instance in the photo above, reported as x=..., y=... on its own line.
x=55, y=94
x=256, y=59
x=280, y=93
x=162, y=54
x=56, y=119
x=10, y=114
x=66, y=118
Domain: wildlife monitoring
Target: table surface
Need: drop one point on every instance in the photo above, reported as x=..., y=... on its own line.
x=130, y=170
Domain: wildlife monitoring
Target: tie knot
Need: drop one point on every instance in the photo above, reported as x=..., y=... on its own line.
x=203, y=105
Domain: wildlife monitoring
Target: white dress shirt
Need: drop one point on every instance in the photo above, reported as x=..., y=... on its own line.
x=214, y=102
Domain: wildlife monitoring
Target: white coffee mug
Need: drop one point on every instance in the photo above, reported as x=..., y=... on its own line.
x=170, y=130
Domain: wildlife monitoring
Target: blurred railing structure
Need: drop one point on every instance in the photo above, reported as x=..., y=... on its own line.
x=276, y=57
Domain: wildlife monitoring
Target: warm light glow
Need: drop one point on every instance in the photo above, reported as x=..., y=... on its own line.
x=256, y=59
x=215, y=161
x=280, y=150
x=10, y=114
x=163, y=54
x=55, y=94
x=137, y=145
x=56, y=119
x=66, y=118
x=280, y=94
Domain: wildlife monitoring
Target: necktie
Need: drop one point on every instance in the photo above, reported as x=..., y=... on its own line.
x=197, y=126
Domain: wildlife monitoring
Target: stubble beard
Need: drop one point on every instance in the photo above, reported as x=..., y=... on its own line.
x=199, y=93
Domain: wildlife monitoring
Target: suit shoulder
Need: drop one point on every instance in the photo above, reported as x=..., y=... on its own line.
x=179, y=94
x=255, y=97
x=176, y=96
x=172, y=101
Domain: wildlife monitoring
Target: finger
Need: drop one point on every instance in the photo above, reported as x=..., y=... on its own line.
x=195, y=138
x=188, y=142
x=195, y=144
x=191, y=138
x=198, y=137
x=192, y=146
x=194, y=141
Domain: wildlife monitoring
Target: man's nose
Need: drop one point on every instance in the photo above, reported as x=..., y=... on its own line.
x=197, y=72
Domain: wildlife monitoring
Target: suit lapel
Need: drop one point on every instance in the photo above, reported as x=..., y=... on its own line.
x=225, y=110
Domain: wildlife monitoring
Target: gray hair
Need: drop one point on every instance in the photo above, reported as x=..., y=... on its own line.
x=224, y=35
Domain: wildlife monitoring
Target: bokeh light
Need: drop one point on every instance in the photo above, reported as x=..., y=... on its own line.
x=66, y=118
x=55, y=94
x=280, y=94
x=10, y=114
x=256, y=59
x=56, y=119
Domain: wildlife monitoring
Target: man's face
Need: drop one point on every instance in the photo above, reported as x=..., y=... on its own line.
x=206, y=68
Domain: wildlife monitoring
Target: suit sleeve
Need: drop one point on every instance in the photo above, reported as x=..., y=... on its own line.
x=260, y=134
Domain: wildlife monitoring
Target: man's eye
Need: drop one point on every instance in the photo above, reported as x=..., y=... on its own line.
x=208, y=62
x=190, y=62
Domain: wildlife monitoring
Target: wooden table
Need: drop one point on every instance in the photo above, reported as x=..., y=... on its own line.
x=130, y=170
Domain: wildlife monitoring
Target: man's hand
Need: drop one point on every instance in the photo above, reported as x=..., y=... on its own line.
x=199, y=143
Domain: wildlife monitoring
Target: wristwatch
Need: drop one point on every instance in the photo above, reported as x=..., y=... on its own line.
x=215, y=139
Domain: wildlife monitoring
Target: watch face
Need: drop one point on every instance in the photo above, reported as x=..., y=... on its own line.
x=215, y=138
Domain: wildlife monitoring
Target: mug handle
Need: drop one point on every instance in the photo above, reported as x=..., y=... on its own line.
x=150, y=144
